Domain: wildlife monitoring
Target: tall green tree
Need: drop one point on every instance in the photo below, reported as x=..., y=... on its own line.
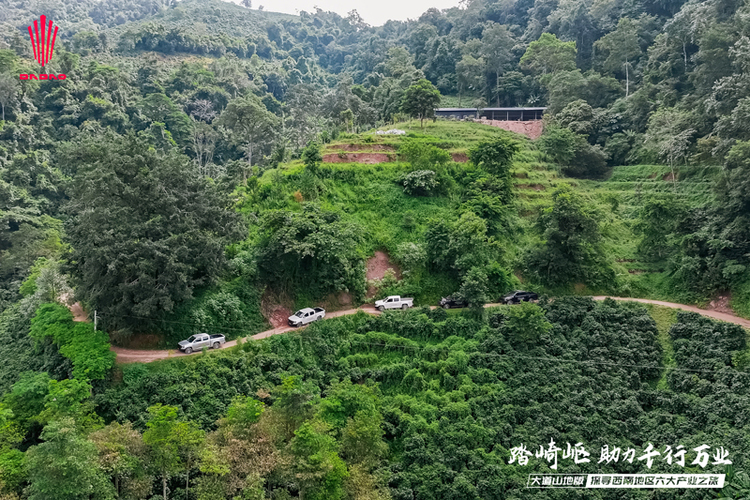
x=173, y=443
x=313, y=250
x=64, y=466
x=9, y=88
x=458, y=245
x=252, y=125
x=497, y=43
x=295, y=402
x=622, y=49
x=549, y=54
x=319, y=470
x=123, y=456
x=468, y=75
x=658, y=222
x=571, y=249
x=312, y=158
x=474, y=288
x=670, y=135
x=527, y=323
x=420, y=100
x=145, y=227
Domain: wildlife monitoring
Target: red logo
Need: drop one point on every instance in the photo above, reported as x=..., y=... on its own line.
x=43, y=40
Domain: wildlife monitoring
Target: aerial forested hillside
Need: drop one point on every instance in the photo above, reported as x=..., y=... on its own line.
x=204, y=165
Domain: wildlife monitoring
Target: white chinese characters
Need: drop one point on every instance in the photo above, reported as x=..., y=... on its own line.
x=611, y=455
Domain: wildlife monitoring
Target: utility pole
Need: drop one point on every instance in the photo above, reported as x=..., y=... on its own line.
x=94, y=319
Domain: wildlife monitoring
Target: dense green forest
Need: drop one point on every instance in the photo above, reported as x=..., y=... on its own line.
x=203, y=161
x=422, y=404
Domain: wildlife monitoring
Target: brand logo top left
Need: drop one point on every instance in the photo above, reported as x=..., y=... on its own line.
x=43, y=39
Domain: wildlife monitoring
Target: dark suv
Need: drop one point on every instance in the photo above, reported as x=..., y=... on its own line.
x=450, y=301
x=519, y=296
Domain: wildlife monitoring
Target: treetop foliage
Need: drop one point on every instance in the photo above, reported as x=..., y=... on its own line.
x=146, y=230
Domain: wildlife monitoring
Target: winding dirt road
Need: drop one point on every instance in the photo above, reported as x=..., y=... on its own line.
x=147, y=356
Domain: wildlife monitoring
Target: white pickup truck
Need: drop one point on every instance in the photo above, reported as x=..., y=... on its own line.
x=394, y=302
x=307, y=315
x=201, y=340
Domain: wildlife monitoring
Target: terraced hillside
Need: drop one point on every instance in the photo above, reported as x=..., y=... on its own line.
x=360, y=171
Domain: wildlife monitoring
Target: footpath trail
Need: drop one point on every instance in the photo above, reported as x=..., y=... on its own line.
x=147, y=356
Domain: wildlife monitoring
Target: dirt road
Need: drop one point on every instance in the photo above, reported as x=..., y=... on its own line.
x=147, y=356
x=729, y=318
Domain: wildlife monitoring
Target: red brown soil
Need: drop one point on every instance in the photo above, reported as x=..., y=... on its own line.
x=335, y=301
x=535, y=187
x=366, y=158
x=652, y=176
x=378, y=264
x=363, y=147
x=78, y=312
x=668, y=177
x=279, y=316
x=345, y=299
x=531, y=129
x=272, y=308
x=721, y=303
x=459, y=157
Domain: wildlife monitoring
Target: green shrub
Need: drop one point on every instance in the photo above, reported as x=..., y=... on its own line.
x=87, y=349
x=312, y=251
x=572, y=151
x=422, y=155
x=419, y=182
x=411, y=256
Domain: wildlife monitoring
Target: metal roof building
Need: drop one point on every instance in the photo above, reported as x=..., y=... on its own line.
x=505, y=114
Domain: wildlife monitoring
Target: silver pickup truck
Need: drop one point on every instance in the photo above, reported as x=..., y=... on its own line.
x=307, y=315
x=201, y=340
x=394, y=302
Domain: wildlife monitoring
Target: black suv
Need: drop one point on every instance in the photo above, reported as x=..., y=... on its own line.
x=519, y=296
x=452, y=301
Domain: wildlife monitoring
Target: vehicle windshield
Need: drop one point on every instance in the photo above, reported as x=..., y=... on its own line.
x=191, y=339
x=299, y=313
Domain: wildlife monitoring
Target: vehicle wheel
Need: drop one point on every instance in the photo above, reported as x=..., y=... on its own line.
x=404, y=306
x=189, y=350
x=381, y=308
x=216, y=345
x=446, y=306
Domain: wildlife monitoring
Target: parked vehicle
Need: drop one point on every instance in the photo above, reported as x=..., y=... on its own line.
x=519, y=296
x=450, y=301
x=394, y=302
x=201, y=340
x=306, y=315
